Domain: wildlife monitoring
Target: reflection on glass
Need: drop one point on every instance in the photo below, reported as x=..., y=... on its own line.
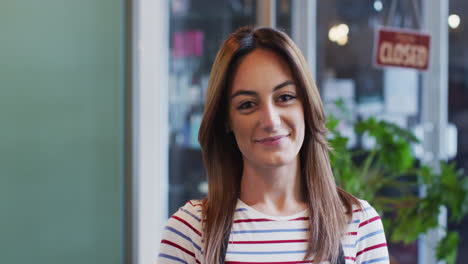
x=345, y=70
x=283, y=15
x=197, y=29
x=458, y=98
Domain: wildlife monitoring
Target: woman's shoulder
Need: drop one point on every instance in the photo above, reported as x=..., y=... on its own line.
x=364, y=213
x=365, y=238
x=181, y=239
x=191, y=210
x=364, y=208
x=188, y=219
x=193, y=206
x=362, y=204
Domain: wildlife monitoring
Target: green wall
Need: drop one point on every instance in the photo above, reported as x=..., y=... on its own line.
x=61, y=131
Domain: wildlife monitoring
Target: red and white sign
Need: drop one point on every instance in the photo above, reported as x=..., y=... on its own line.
x=401, y=48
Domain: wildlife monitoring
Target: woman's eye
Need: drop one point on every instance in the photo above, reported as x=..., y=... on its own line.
x=286, y=97
x=245, y=105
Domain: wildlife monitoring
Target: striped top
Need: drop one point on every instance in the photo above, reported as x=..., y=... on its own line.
x=262, y=239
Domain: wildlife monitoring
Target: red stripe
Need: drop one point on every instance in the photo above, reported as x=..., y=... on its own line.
x=252, y=220
x=268, y=241
x=181, y=248
x=187, y=224
x=267, y=220
x=351, y=234
x=371, y=248
x=351, y=258
x=299, y=219
x=190, y=202
x=369, y=221
x=282, y=262
x=357, y=210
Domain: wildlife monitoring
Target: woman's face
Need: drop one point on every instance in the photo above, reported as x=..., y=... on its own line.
x=265, y=111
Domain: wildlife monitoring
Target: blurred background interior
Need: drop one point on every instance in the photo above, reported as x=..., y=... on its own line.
x=101, y=102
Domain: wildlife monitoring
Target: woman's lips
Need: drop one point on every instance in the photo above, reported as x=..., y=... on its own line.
x=271, y=141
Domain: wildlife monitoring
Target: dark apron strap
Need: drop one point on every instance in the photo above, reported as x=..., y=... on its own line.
x=341, y=256
x=223, y=249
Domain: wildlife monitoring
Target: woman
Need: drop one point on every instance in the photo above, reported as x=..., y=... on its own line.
x=272, y=197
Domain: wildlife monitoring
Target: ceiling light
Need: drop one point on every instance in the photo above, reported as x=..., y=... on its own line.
x=378, y=5
x=339, y=34
x=453, y=21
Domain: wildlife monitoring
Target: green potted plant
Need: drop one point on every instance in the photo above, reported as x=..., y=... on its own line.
x=388, y=176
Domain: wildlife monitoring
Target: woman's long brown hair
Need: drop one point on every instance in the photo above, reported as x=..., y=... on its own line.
x=329, y=206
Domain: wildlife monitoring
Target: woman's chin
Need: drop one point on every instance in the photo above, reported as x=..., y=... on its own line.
x=274, y=161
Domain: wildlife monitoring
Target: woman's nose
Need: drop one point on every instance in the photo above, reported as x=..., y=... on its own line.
x=270, y=118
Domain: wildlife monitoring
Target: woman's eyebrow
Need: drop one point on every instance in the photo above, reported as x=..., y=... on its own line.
x=243, y=92
x=252, y=93
x=281, y=85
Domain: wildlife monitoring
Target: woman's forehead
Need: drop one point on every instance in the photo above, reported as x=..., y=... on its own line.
x=260, y=68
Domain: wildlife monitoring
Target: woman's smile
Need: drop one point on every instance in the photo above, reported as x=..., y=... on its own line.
x=272, y=141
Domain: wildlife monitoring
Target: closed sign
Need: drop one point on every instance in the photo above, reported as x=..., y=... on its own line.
x=401, y=48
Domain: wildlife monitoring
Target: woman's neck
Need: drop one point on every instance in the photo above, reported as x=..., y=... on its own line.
x=273, y=191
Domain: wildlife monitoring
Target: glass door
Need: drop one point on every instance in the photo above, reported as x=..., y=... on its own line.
x=196, y=32
x=346, y=72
